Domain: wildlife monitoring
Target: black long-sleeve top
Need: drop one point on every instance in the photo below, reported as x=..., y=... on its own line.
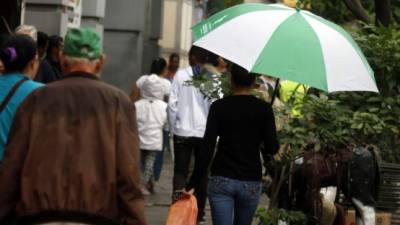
x=242, y=123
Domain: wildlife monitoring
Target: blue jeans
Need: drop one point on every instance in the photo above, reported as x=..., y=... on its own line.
x=160, y=156
x=233, y=202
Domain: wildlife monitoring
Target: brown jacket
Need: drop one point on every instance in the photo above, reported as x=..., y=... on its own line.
x=73, y=155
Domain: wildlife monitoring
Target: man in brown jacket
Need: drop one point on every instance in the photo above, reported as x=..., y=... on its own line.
x=72, y=155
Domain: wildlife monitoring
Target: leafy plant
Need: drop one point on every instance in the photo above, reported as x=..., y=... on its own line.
x=272, y=216
x=382, y=48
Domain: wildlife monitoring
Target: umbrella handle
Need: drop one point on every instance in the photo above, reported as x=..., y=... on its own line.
x=275, y=91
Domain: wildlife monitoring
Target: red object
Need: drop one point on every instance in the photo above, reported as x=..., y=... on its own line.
x=183, y=211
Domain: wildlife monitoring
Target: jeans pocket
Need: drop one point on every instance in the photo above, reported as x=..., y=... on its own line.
x=252, y=190
x=217, y=185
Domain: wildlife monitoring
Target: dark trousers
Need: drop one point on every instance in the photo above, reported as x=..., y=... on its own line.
x=184, y=148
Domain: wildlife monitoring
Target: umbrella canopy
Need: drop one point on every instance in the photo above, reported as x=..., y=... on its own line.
x=287, y=43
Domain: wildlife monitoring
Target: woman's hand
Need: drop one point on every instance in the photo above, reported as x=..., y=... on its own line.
x=179, y=194
x=190, y=192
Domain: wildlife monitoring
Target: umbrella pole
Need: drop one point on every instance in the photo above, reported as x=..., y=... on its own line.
x=275, y=91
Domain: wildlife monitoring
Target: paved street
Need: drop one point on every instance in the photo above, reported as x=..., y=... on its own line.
x=157, y=205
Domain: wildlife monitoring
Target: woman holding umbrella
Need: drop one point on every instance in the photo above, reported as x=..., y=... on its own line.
x=242, y=123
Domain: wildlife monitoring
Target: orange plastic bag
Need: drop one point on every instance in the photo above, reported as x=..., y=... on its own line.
x=183, y=211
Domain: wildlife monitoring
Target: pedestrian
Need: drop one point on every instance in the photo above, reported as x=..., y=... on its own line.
x=173, y=65
x=45, y=73
x=2, y=69
x=28, y=30
x=20, y=58
x=158, y=68
x=293, y=93
x=242, y=123
x=2, y=39
x=42, y=44
x=73, y=151
x=54, y=51
x=218, y=63
x=187, y=111
x=151, y=118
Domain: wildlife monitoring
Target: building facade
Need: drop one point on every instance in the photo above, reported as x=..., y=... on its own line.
x=131, y=29
x=178, y=18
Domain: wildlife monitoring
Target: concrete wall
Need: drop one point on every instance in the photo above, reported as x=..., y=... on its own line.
x=130, y=29
x=92, y=13
x=152, y=33
x=49, y=16
x=176, y=30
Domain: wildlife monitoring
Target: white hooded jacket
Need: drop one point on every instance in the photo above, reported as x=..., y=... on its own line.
x=151, y=113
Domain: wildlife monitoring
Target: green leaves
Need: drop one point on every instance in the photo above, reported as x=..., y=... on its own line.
x=273, y=215
x=382, y=48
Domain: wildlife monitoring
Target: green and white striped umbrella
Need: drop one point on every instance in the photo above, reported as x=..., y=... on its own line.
x=287, y=43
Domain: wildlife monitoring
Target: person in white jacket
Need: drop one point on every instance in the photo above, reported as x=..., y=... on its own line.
x=188, y=111
x=151, y=118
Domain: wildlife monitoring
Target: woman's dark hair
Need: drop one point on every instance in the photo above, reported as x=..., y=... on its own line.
x=43, y=39
x=16, y=52
x=174, y=55
x=200, y=54
x=158, y=65
x=213, y=59
x=241, y=77
x=54, y=42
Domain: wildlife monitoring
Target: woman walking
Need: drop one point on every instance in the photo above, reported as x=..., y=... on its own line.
x=20, y=59
x=242, y=122
x=151, y=117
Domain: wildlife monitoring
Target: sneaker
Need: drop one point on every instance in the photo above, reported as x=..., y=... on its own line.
x=201, y=220
x=150, y=187
x=145, y=191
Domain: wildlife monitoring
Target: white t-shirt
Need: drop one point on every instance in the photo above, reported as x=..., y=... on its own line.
x=151, y=117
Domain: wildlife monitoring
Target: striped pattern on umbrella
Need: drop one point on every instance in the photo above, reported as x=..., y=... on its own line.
x=291, y=44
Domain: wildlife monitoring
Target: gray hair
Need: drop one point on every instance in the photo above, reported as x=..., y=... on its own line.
x=29, y=30
x=76, y=60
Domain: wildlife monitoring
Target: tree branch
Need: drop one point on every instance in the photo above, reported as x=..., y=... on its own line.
x=358, y=10
x=383, y=12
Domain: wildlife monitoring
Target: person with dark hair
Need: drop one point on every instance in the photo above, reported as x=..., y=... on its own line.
x=173, y=65
x=188, y=110
x=242, y=123
x=45, y=73
x=158, y=72
x=151, y=118
x=20, y=58
x=73, y=150
x=54, y=51
x=159, y=69
x=42, y=44
x=217, y=62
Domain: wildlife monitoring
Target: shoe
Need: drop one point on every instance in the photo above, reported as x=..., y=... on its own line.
x=201, y=220
x=150, y=187
x=145, y=191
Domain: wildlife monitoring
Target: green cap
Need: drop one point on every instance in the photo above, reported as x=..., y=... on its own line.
x=83, y=43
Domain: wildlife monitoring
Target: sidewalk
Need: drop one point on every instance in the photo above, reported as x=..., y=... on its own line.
x=156, y=206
